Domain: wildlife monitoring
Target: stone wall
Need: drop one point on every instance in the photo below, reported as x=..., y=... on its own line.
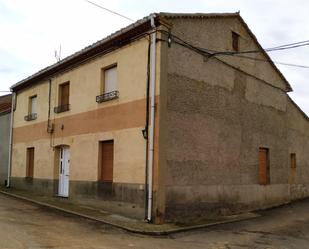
x=217, y=119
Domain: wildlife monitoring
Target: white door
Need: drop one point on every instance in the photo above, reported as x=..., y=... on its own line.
x=64, y=168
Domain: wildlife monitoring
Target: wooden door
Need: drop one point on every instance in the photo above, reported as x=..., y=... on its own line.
x=263, y=166
x=30, y=162
x=107, y=161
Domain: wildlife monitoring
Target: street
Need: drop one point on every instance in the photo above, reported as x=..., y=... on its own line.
x=24, y=225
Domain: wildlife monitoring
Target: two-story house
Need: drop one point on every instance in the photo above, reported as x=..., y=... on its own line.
x=159, y=117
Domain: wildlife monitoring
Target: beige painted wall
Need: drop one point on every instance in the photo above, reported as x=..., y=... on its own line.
x=129, y=144
x=85, y=84
x=129, y=156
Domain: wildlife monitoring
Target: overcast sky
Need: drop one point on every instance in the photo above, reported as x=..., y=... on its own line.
x=32, y=30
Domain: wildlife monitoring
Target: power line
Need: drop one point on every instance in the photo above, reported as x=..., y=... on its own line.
x=111, y=11
x=210, y=53
x=276, y=62
x=278, y=48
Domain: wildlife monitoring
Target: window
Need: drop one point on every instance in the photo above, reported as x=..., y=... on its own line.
x=32, y=109
x=235, y=41
x=106, y=161
x=264, y=177
x=110, y=79
x=293, y=160
x=63, y=98
x=30, y=162
x=109, y=84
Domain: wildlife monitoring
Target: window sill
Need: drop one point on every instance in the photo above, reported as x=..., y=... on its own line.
x=107, y=96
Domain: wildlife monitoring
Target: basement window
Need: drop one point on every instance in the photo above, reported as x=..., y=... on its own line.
x=63, y=98
x=32, y=109
x=109, y=80
x=264, y=169
x=235, y=41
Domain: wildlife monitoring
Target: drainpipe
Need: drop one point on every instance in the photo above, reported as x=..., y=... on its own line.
x=8, y=183
x=152, y=117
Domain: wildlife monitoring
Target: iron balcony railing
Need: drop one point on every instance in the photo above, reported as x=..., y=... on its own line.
x=31, y=116
x=107, y=96
x=62, y=108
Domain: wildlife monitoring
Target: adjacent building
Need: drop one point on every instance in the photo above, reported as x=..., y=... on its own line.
x=221, y=136
x=5, y=121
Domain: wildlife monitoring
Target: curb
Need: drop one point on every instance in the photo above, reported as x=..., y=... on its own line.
x=247, y=216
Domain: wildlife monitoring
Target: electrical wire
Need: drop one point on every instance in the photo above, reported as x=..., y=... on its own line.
x=276, y=62
x=111, y=11
x=278, y=48
x=207, y=54
x=211, y=53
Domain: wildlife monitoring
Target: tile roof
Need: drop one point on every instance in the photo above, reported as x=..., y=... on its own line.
x=96, y=47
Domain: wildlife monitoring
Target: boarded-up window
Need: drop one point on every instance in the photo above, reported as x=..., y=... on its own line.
x=293, y=160
x=106, y=161
x=110, y=79
x=64, y=94
x=264, y=177
x=33, y=104
x=235, y=41
x=30, y=163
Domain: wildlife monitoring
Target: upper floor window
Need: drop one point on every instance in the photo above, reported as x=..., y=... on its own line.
x=235, y=41
x=63, y=98
x=32, y=109
x=109, y=84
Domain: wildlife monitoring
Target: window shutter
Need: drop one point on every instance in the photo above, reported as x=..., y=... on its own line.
x=110, y=80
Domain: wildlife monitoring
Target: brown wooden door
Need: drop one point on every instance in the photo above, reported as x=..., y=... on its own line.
x=30, y=162
x=263, y=166
x=107, y=161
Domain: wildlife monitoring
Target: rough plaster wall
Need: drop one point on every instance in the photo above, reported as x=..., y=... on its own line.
x=4, y=146
x=298, y=140
x=215, y=34
x=218, y=118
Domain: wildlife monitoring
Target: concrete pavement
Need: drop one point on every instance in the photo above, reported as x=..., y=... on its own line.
x=25, y=225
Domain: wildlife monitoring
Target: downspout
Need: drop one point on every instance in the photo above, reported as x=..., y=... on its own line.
x=8, y=183
x=152, y=118
x=146, y=129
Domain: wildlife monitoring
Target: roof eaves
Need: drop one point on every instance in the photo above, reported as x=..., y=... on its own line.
x=81, y=52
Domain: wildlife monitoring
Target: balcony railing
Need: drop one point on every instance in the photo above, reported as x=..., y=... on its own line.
x=107, y=96
x=31, y=116
x=62, y=108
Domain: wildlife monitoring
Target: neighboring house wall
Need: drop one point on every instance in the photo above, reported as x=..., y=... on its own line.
x=84, y=126
x=217, y=119
x=5, y=117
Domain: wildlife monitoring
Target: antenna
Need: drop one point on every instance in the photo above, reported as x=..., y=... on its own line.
x=58, y=54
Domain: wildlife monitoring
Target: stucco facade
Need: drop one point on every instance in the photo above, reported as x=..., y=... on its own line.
x=5, y=120
x=212, y=115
